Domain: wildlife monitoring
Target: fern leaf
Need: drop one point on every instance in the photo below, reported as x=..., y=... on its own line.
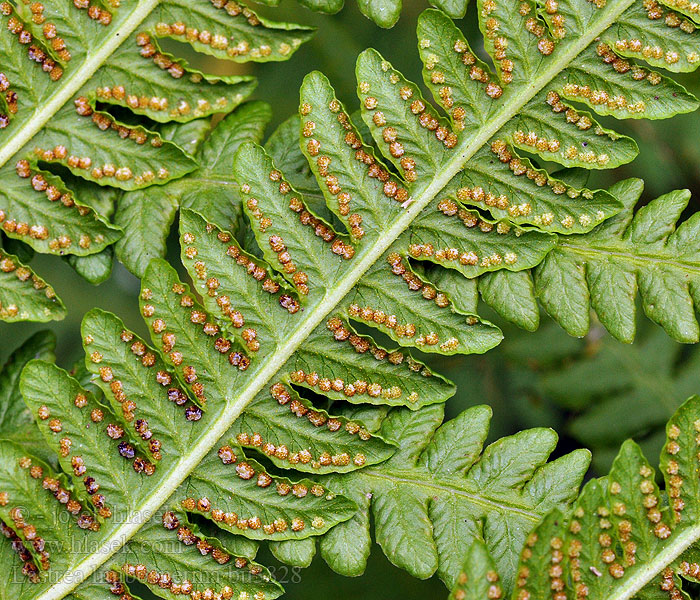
x=442, y=489
x=76, y=228
x=620, y=539
x=58, y=63
x=17, y=482
x=24, y=296
x=274, y=508
x=16, y=421
x=297, y=431
x=478, y=578
x=217, y=569
x=13, y=414
x=107, y=451
x=284, y=243
x=255, y=37
x=146, y=216
x=634, y=253
x=341, y=141
x=94, y=268
x=513, y=294
x=641, y=251
x=460, y=235
x=315, y=275
x=295, y=553
x=433, y=319
x=331, y=352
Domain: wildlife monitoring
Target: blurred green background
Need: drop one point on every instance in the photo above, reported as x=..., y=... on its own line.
x=579, y=387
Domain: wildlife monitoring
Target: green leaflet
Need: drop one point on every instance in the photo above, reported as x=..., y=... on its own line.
x=94, y=268
x=456, y=238
x=146, y=216
x=211, y=364
x=284, y=149
x=43, y=213
x=530, y=203
x=295, y=553
x=362, y=205
x=632, y=252
x=230, y=279
x=236, y=32
x=24, y=296
x=668, y=97
x=442, y=489
x=216, y=569
x=656, y=34
x=422, y=315
x=135, y=156
x=478, y=578
x=381, y=89
x=305, y=249
x=403, y=380
x=244, y=498
x=35, y=508
x=511, y=295
x=13, y=415
x=16, y=422
x=147, y=389
x=191, y=96
x=49, y=116
x=78, y=434
x=619, y=539
x=384, y=13
x=304, y=438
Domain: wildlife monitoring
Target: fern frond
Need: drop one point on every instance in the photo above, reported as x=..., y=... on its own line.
x=146, y=215
x=278, y=297
x=479, y=578
x=24, y=296
x=60, y=60
x=442, y=489
x=634, y=253
x=622, y=538
x=108, y=452
x=16, y=421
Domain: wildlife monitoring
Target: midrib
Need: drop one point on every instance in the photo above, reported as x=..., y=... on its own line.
x=452, y=488
x=639, y=259
x=76, y=80
x=652, y=568
x=363, y=262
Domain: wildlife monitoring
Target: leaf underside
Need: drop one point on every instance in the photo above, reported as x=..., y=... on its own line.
x=622, y=538
x=335, y=228
x=83, y=89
